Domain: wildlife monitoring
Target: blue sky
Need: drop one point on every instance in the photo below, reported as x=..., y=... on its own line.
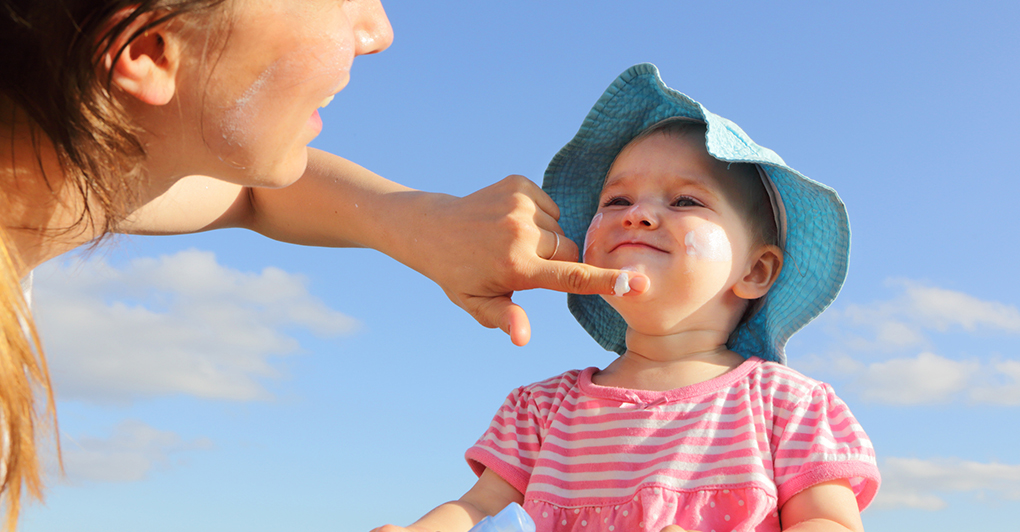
x=225, y=382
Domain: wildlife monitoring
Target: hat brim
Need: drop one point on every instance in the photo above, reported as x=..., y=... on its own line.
x=817, y=244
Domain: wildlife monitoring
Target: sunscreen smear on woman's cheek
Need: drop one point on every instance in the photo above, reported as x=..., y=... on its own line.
x=237, y=125
x=708, y=242
x=274, y=104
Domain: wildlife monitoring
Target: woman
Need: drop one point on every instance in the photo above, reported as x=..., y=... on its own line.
x=177, y=116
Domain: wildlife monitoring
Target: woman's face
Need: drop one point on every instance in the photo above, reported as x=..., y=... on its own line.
x=254, y=102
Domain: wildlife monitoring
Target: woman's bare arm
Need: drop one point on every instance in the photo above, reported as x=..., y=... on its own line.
x=479, y=249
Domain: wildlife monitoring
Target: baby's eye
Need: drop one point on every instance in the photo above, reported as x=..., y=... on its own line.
x=686, y=201
x=616, y=201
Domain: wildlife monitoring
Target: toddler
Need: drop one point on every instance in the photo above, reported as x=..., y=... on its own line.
x=698, y=425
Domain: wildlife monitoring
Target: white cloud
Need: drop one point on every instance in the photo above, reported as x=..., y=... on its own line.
x=942, y=309
x=178, y=324
x=898, y=335
x=924, y=484
x=1003, y=388
x=930, y=379
x=128, y=455
x=903, y=321
x=915, y=324
x=926, y=379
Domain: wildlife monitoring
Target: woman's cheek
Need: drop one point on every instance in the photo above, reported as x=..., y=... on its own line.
x=240, y=125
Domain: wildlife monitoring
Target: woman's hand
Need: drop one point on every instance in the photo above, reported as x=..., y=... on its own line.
x=482, y=248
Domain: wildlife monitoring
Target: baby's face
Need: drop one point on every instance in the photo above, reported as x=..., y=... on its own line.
x=666, y=211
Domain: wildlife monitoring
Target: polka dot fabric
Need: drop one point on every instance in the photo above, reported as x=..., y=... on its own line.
x=817, y=228
x=651, y=510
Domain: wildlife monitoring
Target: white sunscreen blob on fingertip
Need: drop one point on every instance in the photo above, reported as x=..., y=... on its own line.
x=708, y=242
x=622, y=285
x=630, y=278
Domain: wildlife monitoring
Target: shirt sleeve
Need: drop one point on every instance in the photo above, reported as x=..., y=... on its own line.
x=817, y=439
x=511, y=444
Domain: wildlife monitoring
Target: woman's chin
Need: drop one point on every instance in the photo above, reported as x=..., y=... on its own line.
x=271, y=174
x=290, y=171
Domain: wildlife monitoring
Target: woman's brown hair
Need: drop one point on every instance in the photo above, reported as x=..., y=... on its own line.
x=51, y=72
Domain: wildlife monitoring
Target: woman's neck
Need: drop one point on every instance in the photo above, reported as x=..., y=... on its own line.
x=40, y=211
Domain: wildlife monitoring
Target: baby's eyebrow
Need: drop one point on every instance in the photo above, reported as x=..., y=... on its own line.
x=619, y=180
x=609, y=185
x=622, y=180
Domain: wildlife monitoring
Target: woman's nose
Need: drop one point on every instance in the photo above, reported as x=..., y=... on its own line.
x=640, y=216
x=372, y=31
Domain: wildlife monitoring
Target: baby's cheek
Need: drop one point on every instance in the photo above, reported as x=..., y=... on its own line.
x=708, y=242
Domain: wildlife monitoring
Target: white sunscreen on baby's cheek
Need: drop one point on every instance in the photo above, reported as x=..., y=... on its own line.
x=708, y=242
x=595, y=224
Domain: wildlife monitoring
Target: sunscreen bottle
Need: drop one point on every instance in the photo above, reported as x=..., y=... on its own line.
x=513, y=518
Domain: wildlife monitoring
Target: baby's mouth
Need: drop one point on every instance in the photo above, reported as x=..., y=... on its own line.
x=638, y=245
x=325, y=101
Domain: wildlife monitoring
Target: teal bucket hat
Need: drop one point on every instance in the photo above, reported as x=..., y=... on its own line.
x=813, y=221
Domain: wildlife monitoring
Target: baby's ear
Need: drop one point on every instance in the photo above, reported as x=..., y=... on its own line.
x=763, y=269
x=147, y=67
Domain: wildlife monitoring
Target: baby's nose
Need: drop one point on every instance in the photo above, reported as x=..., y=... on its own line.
x=639, y=215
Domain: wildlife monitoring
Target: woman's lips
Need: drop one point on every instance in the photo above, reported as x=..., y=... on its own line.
x=315, y=122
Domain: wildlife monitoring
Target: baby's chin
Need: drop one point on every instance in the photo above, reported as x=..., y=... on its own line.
x=652, y=317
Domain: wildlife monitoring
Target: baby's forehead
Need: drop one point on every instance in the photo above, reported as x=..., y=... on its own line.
x=625, y=180
x=684, y=152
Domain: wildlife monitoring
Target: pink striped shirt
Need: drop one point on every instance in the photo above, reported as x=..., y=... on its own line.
x=724, y=454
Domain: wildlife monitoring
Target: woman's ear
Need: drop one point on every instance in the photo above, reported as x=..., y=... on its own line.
x=763, y=269
x=147, y=67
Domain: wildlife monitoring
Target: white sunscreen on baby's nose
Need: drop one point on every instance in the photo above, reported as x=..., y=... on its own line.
x=708, y=242
x=596, y=223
